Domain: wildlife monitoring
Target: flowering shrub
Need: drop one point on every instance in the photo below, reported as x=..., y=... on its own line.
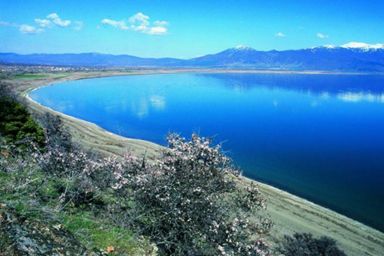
x=189, y=202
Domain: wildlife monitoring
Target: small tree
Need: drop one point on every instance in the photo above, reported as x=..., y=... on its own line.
x=189, y=202
x=16, y=124
x=304, y=244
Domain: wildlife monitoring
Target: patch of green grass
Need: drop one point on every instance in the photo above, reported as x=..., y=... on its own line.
x=4, y=179
x=29, y=209
x=17, y=190
x=97, y=234
x=49, y=190
x=7, y=183
x=29, y=76
x=32, y=76
x=58, y=75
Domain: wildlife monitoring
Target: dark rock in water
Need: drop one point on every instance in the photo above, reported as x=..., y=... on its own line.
x=21, y=236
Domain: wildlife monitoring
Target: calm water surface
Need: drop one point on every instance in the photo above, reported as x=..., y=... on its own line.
x=318, y=136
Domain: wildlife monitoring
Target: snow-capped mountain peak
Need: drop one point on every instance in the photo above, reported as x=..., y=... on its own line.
x=329, y=46
x=243, y=48
x=362, y=46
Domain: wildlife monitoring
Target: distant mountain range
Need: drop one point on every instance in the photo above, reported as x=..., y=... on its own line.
x=327, y=58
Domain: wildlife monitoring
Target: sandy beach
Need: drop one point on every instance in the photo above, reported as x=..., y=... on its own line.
x=289, y=213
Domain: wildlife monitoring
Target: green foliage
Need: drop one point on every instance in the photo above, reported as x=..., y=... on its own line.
x=304, y=244
x=97, y=233
x=16, y=124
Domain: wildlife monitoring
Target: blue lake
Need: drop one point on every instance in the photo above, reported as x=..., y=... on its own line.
x=318, y=136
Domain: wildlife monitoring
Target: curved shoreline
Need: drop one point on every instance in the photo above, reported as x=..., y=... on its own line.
x=78, y=126
x=290, y=213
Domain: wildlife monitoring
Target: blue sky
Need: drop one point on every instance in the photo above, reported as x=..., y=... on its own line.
x=175, y=28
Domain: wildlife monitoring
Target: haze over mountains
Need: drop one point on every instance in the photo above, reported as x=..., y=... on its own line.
x=352, y=57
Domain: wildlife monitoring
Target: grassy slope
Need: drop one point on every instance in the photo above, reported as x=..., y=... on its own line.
x=290, y=213
x=36, y=203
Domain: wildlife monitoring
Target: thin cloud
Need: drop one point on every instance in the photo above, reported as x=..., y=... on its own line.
x=42, y=24
x=6, y=24
x=114, y=23
x=28, y=29
x=321, y=35
x=280, y=34
x=78, y=25
x=23, y=28
x=55, y=19
x=140, y=23
x=157, y=30
x=160, y=23
x=52, y=19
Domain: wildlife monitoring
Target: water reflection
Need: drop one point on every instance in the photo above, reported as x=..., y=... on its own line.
x=319, y=136
x=361, y=96
x=142, y=107
x=157, y=102
x=349, y=88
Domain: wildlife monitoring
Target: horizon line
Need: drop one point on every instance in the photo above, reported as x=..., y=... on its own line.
x=350, y=45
